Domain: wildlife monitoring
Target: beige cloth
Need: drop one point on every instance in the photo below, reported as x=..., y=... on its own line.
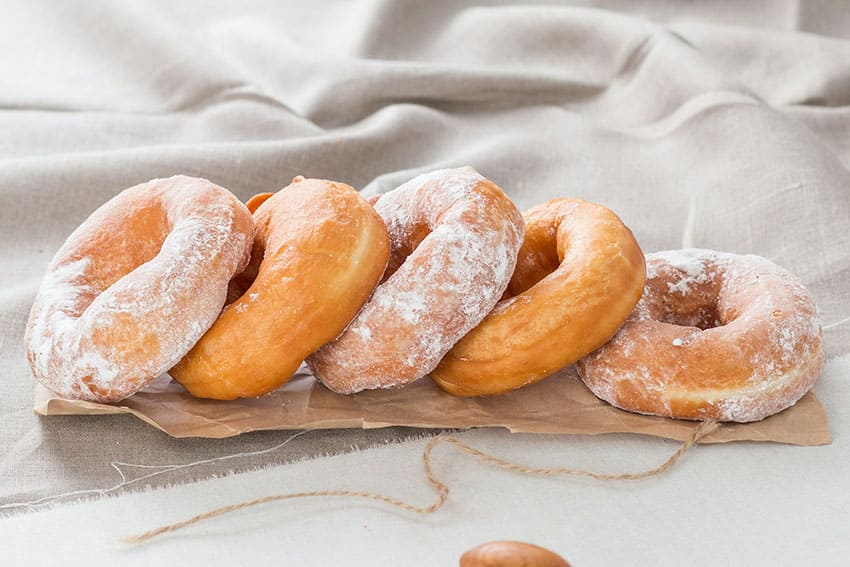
x=706, y=124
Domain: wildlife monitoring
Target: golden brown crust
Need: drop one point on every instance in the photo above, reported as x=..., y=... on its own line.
x=319, y=250
x=715, y=336
x=579, y=274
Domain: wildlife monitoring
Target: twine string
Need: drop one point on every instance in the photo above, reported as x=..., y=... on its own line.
x=440, y=488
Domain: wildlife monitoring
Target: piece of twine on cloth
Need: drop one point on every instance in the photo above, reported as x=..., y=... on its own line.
x=440, y=487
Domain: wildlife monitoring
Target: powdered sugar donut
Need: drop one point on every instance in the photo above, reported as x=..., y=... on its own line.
x=135, y=286
x=715, y=336
x=455, y=237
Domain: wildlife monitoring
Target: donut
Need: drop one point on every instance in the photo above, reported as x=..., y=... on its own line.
x=455, y=237
x=135, y=286
x=319, y=251
x=715, y=336
x=579, y=274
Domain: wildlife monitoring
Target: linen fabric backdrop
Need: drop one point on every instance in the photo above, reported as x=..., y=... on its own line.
x=702, y=124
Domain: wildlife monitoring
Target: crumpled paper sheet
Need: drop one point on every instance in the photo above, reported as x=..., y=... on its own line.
x=558, y=404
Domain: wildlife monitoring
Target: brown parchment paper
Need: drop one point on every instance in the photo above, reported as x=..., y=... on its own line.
x=558, y=404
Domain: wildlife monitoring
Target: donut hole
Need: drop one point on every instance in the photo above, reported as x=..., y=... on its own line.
x=704, y=318
x=404, y=247
x=113, y=252
x=242, y=282
x=698, y=306
x=538, y=257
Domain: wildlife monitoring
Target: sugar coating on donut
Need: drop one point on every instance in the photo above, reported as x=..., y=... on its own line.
x=444, y=288
x=765, y=338
x=101, y=333
x=692, y=270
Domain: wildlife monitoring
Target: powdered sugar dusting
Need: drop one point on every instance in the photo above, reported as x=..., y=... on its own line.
x=766, y=351
x=441, y=291
x=692, y=269
x=87, y=342
x=66, y=290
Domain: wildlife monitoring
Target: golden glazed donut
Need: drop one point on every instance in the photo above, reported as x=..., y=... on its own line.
x=579, y=275
x=319, y=251
x=715, y=336
x=135, y=286
x=455, y=237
